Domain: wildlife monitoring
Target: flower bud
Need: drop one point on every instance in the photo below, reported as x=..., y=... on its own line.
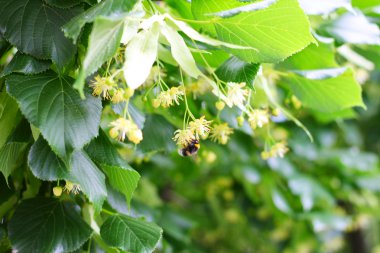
x=220, y=105
x=57, y=191
x=240, y=120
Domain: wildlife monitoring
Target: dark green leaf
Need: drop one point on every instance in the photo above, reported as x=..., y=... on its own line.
x=50, y=103
x=9, y=116
x=158, y=134
x=63, y=3
x=35, y=28
x=104, y=41
x=47, y=225
x=130, y=234
x=47, y=166
x=44, y=163
x=236, y=70
x=25, y=64
x=108, y=8
x=11, y=157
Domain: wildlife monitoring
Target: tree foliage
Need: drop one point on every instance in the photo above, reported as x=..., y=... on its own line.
x=98, y=99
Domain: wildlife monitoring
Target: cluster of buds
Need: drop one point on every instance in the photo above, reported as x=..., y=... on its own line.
x=122, y=128
x=107, y=88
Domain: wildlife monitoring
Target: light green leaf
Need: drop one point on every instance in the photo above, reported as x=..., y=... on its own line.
x=25, y=64
x=180, y=51
x=328, y=91
x=122, y=179
x=140, y=54
x=9, y=116
x=35, y=28
x=235, y=70
x=313, y=57
x=50, y=103
x=46, y=165
x=47, y=225
x=276, y=32
x=103, y=43
x=130, y=234
x=352, y=28
x=114, y=9
x=11, y=155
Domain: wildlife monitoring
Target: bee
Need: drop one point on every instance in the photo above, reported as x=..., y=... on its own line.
x=191, y=148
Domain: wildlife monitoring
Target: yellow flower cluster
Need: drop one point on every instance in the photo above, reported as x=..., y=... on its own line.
x=169, y=97
x=123, y=127
x=258, y=118
x=196, y=129
x=220, y=133
x=236, y=94
x=107, y=88
x=279, y=149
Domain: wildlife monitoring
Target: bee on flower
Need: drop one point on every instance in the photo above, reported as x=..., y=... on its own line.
x=221, y=133
x=123, y=127
x=200, y=127
x=258, y=118
x=279, y=149
x=236, y=94
x=102, y=86
x=183, y=137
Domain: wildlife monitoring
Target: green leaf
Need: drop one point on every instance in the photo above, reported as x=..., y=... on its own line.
x=365, y=3
x=104, y=41
x=158, y=134
x=50, y=103
x=329, y=90
x=46, y=165
x=140, y=54
x=35, y=28
x=276, y=32
x=236, y=70
x=120, y=175
x=47, y=225
x=181, y=53
x=130, y=234
x=9, y=116
x=109, y=8
x=25, y=64
x=11, y=155
x=89, y=177
x=352, y=28
x=313, y=57
x=63, y=3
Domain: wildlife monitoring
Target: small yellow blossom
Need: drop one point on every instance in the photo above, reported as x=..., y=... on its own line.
x=123, y=127
x=57, y=191
x=240, y=120
x=71, y=187
x=118, y=96
x=221, y=133
x=198, y=88
x=183, y=137
x=258, y=118
x=200, y=127
x=296, y=102
x=220, y=105
x=120, y=126
x=277, y=150
x=169, y=97
x=135, y=135
x=102, y=86
x=236, y=94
